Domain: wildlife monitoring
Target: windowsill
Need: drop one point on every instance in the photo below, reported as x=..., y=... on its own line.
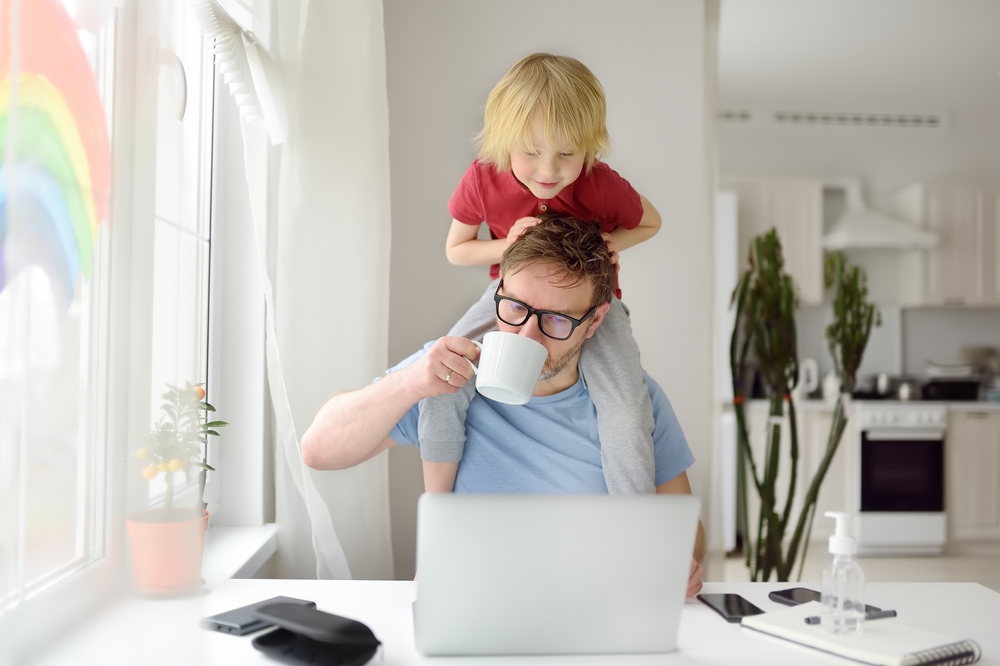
x=122, y=631
x=236, y=552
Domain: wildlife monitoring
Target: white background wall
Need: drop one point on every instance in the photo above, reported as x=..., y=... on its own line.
x=890, y=56
x=442, y=59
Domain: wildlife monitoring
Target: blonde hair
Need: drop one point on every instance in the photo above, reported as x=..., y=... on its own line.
x=561, y=92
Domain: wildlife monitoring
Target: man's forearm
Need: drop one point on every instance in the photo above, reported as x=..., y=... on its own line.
x=351, y=426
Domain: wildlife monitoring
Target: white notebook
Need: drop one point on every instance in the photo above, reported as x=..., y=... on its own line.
x=884, y=642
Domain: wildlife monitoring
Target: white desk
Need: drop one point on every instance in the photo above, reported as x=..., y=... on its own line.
x=959, y=610
x=150, y=631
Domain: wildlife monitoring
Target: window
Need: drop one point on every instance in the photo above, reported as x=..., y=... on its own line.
x=83, y=362
x=54, y=334
x=181, y=217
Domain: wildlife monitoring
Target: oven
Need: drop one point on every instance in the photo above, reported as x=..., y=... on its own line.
x=899, y=492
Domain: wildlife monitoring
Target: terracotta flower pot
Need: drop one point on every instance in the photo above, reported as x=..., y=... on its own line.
x=166, y=556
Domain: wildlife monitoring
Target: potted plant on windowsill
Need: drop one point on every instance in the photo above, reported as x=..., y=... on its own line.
x=167, y=541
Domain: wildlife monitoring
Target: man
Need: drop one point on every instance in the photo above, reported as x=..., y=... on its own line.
x=556, y=275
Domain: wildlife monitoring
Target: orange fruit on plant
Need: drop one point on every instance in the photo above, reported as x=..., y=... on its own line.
x=163, y=466
x=150, y=472
x=142, y=454
x=175, y=465
x=199, y=392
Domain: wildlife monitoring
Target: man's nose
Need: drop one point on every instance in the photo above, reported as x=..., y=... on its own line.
x=530, y=329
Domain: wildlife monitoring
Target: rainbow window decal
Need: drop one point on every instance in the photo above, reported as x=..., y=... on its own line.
x=55, y=165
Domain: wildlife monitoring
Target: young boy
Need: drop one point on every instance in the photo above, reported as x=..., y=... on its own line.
x=543, y=134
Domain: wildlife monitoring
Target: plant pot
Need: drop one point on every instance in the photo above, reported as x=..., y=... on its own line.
x=166, y=556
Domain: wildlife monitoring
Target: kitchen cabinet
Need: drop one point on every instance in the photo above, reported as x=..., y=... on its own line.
x=794, y=207
x=964, y=267
x=972, y=476
x=814, y=430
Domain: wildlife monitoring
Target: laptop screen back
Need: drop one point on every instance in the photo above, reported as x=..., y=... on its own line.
x=551, y=574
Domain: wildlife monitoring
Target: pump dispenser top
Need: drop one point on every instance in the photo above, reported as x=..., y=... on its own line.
x=842, y=542
x=843, y=594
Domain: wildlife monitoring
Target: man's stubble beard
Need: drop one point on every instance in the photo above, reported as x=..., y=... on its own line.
x=553, y=366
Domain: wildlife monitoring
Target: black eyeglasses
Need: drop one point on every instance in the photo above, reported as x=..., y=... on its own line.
x=555, y=325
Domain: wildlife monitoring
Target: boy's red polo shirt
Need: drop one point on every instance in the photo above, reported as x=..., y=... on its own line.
x=499, y=200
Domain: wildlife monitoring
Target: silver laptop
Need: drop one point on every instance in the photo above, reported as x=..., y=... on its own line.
x=551, y=574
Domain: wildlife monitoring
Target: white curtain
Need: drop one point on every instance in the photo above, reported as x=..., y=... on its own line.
x=331, y=278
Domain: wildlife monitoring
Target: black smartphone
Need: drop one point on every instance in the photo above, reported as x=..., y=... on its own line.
x=732, y=607
x=794, y=596
x=241, y=621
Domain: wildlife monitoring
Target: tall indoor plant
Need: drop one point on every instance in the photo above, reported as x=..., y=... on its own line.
x=167, y=541
x=765, y=303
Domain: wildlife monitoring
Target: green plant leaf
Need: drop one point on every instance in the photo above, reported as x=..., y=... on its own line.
x=182, y=432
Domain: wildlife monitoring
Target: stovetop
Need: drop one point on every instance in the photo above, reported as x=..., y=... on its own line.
x=906, y=414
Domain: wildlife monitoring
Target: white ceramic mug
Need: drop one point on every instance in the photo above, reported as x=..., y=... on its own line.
x=509, y=367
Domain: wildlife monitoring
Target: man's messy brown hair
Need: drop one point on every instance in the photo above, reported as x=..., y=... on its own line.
x=574, y=250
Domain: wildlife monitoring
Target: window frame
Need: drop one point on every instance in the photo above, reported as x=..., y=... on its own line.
x=236, y=335
x=45, y=614
x=191, y=490
x=240, y=492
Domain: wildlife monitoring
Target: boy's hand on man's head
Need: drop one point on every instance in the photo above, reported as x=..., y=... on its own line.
x=519, y=227
x=611, y=248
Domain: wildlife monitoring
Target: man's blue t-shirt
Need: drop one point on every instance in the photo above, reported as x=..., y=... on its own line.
x=549, y=445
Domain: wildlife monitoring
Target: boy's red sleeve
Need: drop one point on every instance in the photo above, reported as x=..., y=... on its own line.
x=622, y=206
x=466, y=204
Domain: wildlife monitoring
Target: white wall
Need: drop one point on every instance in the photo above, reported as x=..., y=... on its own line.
x=939, y=334
x=897, y=56
x=443, y=57
x=884, y=159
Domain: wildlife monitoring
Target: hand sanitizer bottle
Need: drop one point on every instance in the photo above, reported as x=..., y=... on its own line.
x=843, y=591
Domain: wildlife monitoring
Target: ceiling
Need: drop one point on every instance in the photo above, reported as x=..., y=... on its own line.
x=900, y=56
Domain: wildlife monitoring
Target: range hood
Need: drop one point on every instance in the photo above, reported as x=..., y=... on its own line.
x=863, y=228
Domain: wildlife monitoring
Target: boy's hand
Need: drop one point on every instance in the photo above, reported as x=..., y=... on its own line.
x=519, y=228
x=695, y=578
x=611, y=248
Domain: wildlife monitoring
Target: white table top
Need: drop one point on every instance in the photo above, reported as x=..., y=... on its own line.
x=166, y=631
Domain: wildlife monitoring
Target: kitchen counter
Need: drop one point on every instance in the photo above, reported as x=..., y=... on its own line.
x=823, y=406
x=979, y=406
x=800, y=405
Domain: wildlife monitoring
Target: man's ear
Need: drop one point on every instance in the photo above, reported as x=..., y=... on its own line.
x=599, y=315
